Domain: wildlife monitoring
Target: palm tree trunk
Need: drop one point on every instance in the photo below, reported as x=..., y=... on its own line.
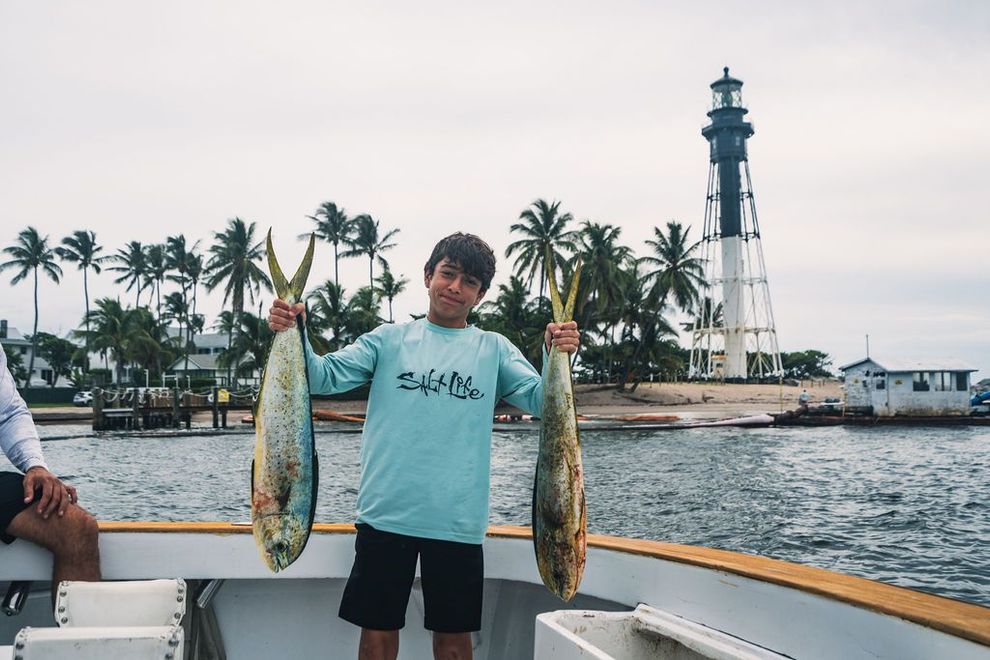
x=34, y=333
x=189, y=328
x=390, y=311
x=336, y=275
x=371, y=270
x=86, y=295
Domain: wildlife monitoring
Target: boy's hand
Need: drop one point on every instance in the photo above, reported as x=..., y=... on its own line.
x=282, y=317
x=564, y=336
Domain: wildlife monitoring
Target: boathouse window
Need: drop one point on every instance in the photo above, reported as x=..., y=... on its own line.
x=921, y=381
x=962, y=382
x=942, y=381
x=881, y=382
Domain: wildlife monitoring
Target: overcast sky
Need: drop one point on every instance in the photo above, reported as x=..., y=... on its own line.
x=870, y=160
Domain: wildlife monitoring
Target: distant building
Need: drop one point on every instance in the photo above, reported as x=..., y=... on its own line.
x=908, y=387
x=203, y=360
x=15, y=343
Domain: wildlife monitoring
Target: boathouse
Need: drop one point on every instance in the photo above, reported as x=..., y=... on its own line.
x=914, y=388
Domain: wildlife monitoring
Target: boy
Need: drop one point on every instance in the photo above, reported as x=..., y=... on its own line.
x=426, y=449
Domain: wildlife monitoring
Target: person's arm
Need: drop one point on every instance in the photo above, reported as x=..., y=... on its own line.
x=343, y=370
x=340, y=371
x=519, y=384
x=18, y=438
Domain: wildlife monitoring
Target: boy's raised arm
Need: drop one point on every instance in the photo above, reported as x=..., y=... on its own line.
x=340, y=371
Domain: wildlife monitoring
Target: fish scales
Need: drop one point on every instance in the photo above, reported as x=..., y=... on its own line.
x=285, y=471
x=559, y=509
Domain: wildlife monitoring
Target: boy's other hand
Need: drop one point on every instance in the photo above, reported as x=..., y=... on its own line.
x=565, y=336
x=282, y=316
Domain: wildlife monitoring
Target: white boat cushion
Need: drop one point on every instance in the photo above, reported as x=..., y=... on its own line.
x=100, y=643
x=132, y=603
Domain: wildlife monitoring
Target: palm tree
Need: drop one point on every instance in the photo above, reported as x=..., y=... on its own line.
x=28, y=254
x=334, y=227
x=362, y=312
x=513, y=315
x=366, y=240
x=186, y=265
x=327, y=313
x=678, y=273
x=82, y=249
x=147, y=342
x=109, y=333
x=389, y=288
x=157, y=263
x=603, y=259
x=544, y=229
x=15, y=364
x=249, y=351
x=233, y=264
x=133, y=262
x=177, y=309
x=194, y=269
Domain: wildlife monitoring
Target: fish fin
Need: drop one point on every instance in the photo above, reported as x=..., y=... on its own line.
x=281, y=284
x=572, y=293
x=316, y=487
x=536, y=482
x=558, y=307
x=297, y=287
x=252, y=479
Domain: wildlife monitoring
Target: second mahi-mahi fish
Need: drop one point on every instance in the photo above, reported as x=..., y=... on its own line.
x=559, y=513
x=285, y=470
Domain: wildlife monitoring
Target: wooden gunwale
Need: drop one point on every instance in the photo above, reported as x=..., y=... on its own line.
x=958, y=618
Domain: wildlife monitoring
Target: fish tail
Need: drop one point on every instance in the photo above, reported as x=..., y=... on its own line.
x=284, y=289
x=558, y=306
x=278, y=277
x=568, y=314
x=298, y=284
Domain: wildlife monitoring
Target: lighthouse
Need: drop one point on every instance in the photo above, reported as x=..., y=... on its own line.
x=733, y=336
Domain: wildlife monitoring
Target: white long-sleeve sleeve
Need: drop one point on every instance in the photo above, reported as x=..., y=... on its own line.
x=18, y=437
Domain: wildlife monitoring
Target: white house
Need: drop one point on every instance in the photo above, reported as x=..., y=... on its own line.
x=15, y=344
x=203, y=360
x=909, y=387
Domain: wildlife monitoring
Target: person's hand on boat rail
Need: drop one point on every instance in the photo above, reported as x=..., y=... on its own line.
x=282, y=316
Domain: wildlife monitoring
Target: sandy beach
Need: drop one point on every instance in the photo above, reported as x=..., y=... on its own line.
x=689, y=400
x=699, y=400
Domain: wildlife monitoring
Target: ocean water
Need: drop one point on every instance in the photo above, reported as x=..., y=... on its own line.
x=907, y=506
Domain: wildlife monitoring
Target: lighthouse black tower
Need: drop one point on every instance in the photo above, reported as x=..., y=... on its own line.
x=734, y=335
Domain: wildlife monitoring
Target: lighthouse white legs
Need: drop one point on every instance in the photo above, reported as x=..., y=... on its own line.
x=733, y=307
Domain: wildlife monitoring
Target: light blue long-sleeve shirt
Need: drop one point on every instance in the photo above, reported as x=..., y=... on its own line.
x=18, y=438
x=426, y=450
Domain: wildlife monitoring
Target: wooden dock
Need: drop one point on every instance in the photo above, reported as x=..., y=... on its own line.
x=138, y=409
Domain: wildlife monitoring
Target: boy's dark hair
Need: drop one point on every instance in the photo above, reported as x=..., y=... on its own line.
x=472, y=254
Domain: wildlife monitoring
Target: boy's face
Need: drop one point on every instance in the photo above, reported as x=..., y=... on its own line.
x=452, y=294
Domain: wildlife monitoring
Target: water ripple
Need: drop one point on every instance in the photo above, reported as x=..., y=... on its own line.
x=904, y=506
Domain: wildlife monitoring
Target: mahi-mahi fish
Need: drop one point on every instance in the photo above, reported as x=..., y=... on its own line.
x=285, y=470
x=559, y=514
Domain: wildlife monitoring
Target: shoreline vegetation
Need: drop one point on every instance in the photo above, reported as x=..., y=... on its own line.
x=632, y=308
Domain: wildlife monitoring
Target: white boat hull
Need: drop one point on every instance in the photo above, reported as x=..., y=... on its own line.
x=792, y=610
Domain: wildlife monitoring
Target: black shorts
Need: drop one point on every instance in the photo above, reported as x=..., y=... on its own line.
x=11, y=501
x=377, y=591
